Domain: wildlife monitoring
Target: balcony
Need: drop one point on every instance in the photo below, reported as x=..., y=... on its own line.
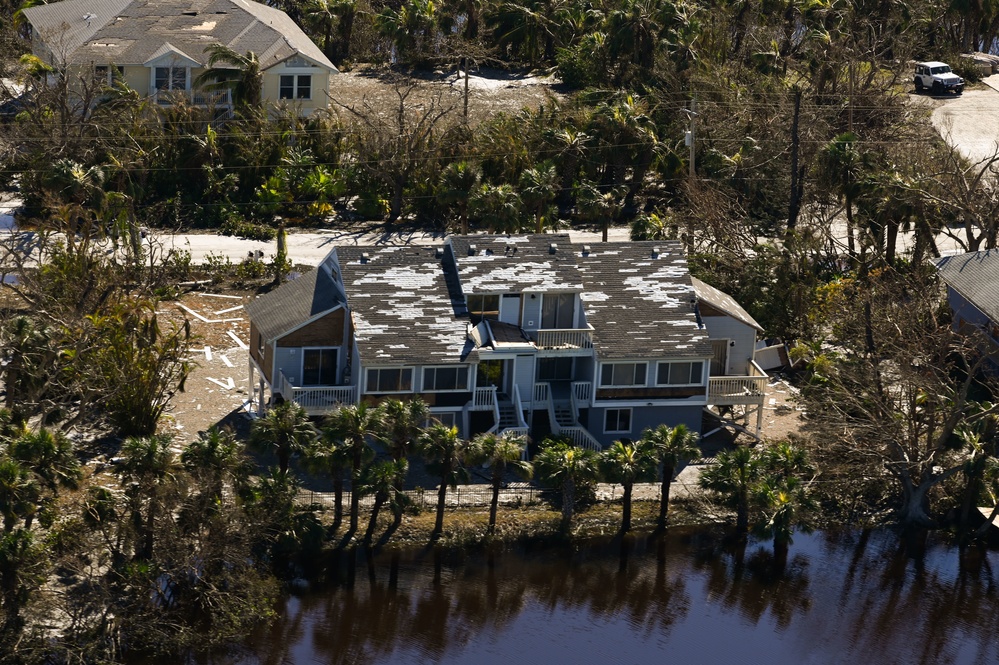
x=203, y=98
x=736, y=390
x=567, y=339
x=316, y=400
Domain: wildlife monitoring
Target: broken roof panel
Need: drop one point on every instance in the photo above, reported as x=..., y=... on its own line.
x=130, y=32
x=400, y=307
x=514, y=264
x=640, y=301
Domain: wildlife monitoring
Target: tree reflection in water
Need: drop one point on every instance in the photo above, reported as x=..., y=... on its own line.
x=842, y=597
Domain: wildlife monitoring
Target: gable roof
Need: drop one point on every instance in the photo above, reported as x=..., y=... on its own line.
x=724, y=302
x=975, y=276
x=295, y=303
x=132, y=32
x=640, y=301
x=401, y=309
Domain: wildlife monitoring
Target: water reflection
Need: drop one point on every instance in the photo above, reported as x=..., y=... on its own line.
x=841, y=598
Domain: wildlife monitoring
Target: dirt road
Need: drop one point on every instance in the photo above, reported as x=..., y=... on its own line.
x=970, y=122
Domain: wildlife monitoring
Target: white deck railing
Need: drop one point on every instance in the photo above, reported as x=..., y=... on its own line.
x=484, y=399
x=570, y=338
x=541, y=394
x=580, y=438
x=210, y=98
x=317, y=399
x=731, y=390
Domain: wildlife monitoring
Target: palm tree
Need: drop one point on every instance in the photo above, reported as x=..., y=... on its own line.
x=458, y=182
x=243, y=75
x=149, y=468
x=354, y=425
x=382, y=480
x=842, y=166
x=538, y=188
x=19, y=493
x=781, y=500
x=445, y=453
x=628, y=463
x=732, y=480
x=567, y=466
x=671, y=446
x=331, y=454
x=49, y=456
x=215, y=458
x=496, y=208
x=402, y=424
x=499, y=453
x=20, y=557
x=285, y=428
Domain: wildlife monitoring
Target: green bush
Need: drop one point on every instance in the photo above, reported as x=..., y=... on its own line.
x=243, y=229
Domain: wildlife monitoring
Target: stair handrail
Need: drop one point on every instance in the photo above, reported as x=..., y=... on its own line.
x=518, y=406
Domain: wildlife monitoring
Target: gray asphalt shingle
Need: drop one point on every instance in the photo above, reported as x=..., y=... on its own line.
x=132, y=32
x=975, y=276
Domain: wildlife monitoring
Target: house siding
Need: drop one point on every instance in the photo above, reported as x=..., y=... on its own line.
x=532, y=311
x=326, y=331
x=643, y=418
x=741, y=353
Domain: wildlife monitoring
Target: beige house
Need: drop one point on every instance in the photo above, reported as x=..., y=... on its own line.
x=157, y=47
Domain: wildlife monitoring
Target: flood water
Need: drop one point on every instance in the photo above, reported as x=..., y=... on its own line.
x=846, y=597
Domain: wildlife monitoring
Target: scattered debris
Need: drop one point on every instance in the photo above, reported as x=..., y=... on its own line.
x=208, y=353
x=231, y=309
x=228, y=386
x=236, y=338
x=220, y=295
x=225, y=359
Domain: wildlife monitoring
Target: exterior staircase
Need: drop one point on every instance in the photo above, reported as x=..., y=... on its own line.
x=507, y=415
x=563, y=413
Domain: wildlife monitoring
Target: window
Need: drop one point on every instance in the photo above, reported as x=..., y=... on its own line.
x=439, y=379
x=622, y=374
x=292, y=86
x=448, y=419
x=617, y=420
x=557, y=310
x=319, y=367
x=680, y=374
x=554, y=369
x=170, y=78
x=483, y=307
x=397, y=380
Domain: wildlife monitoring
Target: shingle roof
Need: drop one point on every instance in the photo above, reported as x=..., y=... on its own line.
x=724, y=302
x=513, y=264
x=639, y=302
x=129, y=32
x=400, y=307
x=293, y=304
x=975, y=276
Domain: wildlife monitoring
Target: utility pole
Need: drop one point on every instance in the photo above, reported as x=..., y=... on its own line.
x=689, y=138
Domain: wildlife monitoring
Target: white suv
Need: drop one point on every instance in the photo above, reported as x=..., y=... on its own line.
x=938, y=77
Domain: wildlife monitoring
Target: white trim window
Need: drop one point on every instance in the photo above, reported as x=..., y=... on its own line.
x=295, y=86
x=445, y=379
x=621, y=375
x=446, y=418
x=107, y=74
x=685, y=373
x=617, y=421
x=170, y=78
x=389, y=380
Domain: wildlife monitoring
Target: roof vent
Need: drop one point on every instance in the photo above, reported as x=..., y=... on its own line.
x=438, y=252
x=365, y=257
x=189, y=13
x=655, y=252
x=552, y=248
x=586, y=249
x=471, y=250
x=489, y=252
